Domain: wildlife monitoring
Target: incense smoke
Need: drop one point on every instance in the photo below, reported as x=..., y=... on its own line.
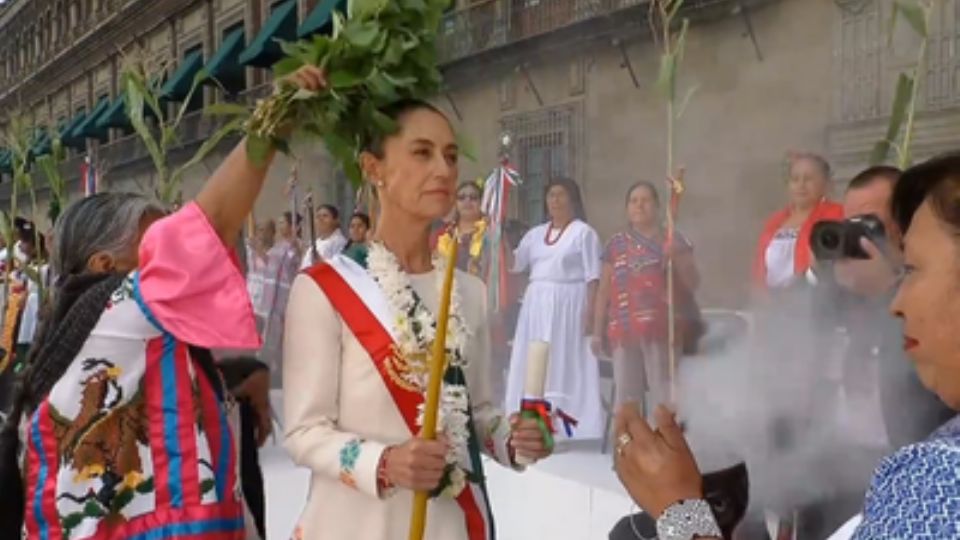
x=774, y=400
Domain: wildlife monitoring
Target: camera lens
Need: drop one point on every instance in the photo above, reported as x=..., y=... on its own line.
x=830, y=239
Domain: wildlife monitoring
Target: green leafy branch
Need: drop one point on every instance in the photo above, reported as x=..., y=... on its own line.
x=383, y=52
x=901, y=127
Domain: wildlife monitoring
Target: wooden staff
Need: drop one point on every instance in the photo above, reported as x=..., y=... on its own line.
x=311, y=228
x=438, y=362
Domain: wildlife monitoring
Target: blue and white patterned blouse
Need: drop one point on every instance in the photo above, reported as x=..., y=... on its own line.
x=915, y=493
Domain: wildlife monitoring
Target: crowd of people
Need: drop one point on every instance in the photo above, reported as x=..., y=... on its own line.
x=134, y=406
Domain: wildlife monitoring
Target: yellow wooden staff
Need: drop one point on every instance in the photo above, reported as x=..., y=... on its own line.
x=438, y=364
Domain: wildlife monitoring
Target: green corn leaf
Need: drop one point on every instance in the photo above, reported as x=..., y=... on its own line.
x=681, y=42
x=198, y=79
x=667, y=76
x=673, y=7
x=226, y=109
x=901, y=104
x=133, y=98
x=915, y=14
x=682, y=107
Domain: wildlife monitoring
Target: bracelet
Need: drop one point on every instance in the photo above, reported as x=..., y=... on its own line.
x=383, y=481
x=686, y=520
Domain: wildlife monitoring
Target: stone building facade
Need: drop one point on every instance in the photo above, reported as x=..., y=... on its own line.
x=571, y=80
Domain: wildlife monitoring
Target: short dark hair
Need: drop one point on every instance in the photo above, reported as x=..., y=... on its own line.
x=573, y=191
x=288, y=215
x=334, y=211
x=362, y=217
x=395, y=111
x=872, y=174
x=936, y=180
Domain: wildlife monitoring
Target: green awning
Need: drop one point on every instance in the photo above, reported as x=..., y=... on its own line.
x=66, y=134
x=224, y=66
x=178, y=85
x=264, y=51
x=320, y=20
x=42, y=144
x=115, y=116
x=88, y=128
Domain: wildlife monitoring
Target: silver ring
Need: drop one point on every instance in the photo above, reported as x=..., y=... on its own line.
x=623, y=441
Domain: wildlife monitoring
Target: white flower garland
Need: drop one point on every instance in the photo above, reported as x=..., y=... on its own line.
x=414, y=329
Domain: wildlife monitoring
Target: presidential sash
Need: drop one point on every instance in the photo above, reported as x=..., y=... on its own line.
x=367, y=313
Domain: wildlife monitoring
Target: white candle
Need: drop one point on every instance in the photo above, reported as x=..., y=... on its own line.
x=538, y=359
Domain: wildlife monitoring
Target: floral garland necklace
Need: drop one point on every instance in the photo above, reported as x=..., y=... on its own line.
x=414, y=330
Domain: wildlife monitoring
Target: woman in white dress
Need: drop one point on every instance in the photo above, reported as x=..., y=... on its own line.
x=330, y=240
x=563, y=258
x=356, y=347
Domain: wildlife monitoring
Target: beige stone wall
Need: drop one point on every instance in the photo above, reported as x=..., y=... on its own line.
x=192, y=29
x=745, y=115
x=102, y=81
x=79, y=94
x=61, y=106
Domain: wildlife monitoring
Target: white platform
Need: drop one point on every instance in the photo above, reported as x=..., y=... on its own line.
x=573, y=496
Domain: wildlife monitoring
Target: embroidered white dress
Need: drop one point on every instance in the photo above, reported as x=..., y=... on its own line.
x=132, y=442
x=340, y=415
x=553, y=310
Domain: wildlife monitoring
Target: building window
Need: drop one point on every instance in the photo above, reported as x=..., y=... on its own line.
x=234, y=80
x=942, y=86
x=862, y=37
x=547, y=145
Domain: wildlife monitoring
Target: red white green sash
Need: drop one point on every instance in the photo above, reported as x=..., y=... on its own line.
x=367, y=312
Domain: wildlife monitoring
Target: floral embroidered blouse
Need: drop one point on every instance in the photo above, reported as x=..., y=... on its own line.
x=133, y=442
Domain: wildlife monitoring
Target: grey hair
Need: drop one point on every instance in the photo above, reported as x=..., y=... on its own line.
x=104, y=222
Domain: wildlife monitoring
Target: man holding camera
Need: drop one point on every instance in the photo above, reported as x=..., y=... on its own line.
x=910, y=412
x=883, y=404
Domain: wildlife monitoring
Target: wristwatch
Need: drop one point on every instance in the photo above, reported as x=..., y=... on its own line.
x=686, y=520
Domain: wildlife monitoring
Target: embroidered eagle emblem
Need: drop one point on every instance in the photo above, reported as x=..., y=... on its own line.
x=101, y=442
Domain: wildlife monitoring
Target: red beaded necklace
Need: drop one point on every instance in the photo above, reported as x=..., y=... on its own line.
x=546, y=237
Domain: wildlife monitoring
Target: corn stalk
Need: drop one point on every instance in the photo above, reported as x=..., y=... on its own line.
x=18, y=139
x=142, y=94
x=671, y=41
x=902, y=124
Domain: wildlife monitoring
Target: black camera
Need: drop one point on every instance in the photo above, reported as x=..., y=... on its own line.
x=835, y=240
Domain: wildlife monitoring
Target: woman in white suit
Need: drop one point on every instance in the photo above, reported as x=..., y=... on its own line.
x=356, y=347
